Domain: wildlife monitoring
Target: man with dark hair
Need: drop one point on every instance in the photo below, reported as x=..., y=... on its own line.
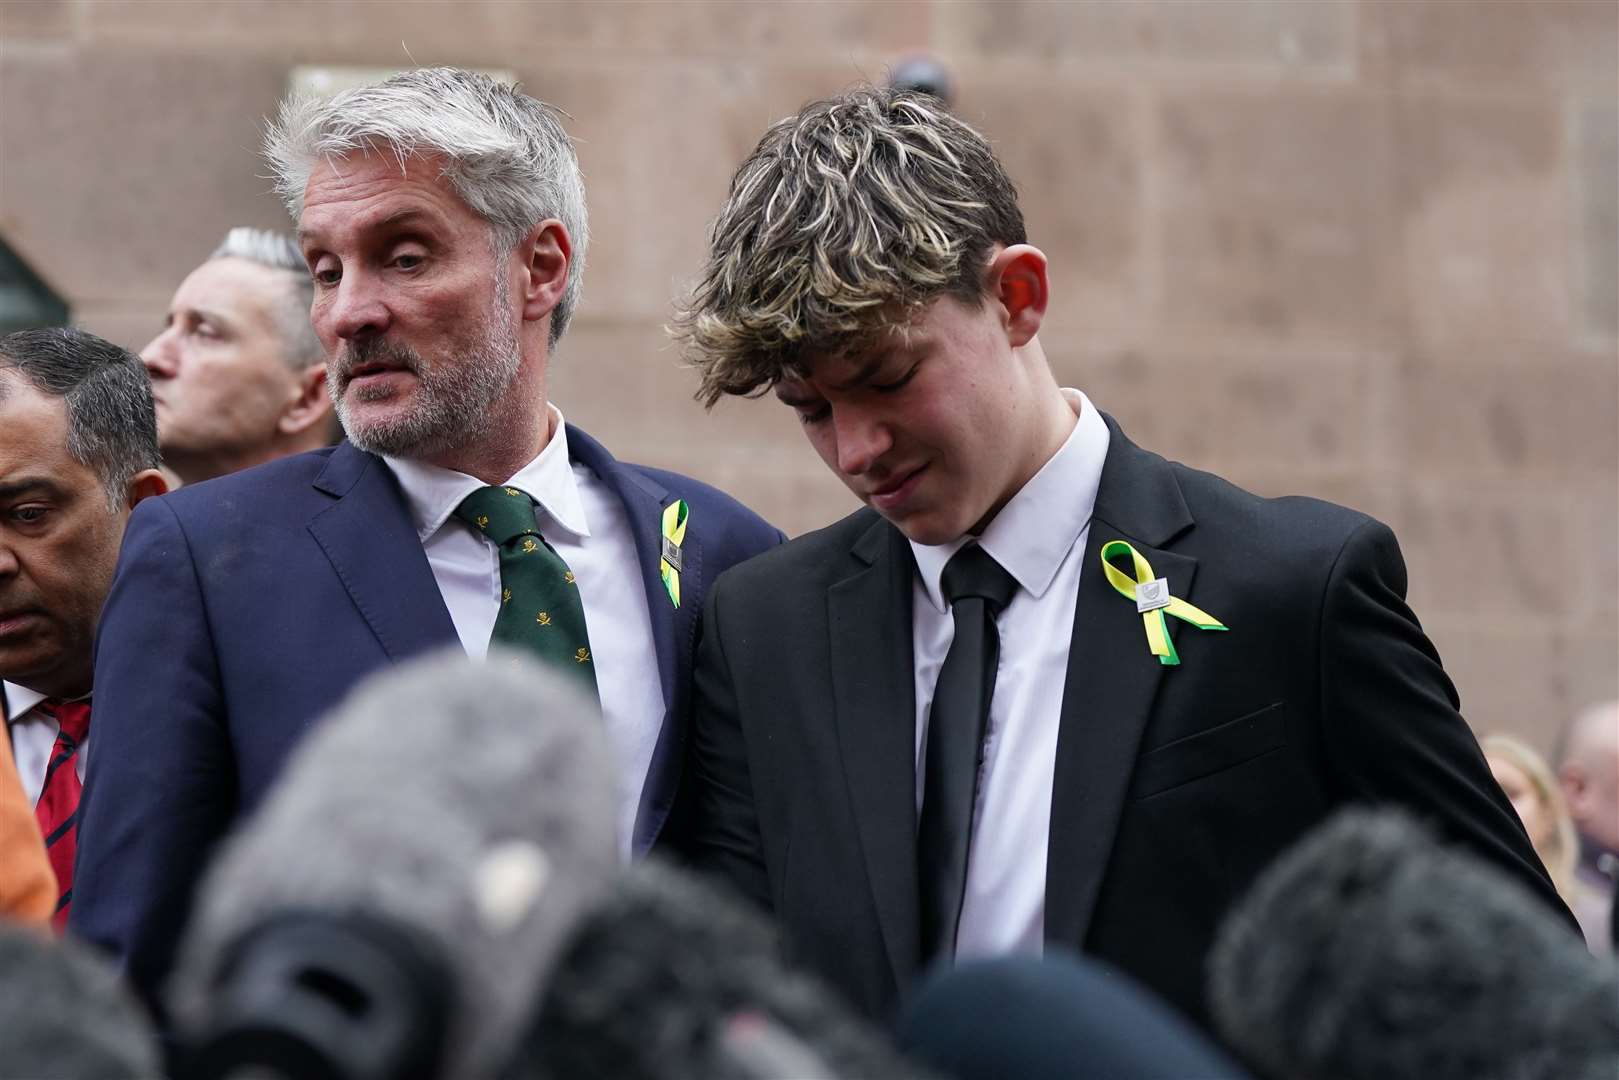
x=958, y=721
x=238, y=375
x=442, y=216
x=78, y=450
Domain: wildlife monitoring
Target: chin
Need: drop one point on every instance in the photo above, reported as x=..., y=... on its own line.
x=928, y=533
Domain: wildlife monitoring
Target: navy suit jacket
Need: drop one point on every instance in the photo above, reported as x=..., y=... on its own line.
x=244, y=608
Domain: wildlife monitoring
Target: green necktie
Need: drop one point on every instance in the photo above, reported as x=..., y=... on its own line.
x=539, y=602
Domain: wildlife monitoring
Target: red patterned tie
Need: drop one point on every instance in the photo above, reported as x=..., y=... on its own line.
x=58, y=808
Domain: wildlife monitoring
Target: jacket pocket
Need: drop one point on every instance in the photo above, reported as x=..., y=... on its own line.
x=1211, y=751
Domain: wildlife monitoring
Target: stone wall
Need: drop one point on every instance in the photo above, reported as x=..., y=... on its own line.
x=1363, y=250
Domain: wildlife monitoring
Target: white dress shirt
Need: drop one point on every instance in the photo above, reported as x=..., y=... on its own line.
x=584, y=521
x=1039, y=537
x=33, y=738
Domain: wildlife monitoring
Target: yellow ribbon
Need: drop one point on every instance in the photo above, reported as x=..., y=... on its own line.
x=674, y=532
x=1157, y=630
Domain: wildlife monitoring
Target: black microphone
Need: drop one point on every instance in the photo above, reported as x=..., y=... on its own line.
x=391, y=910
x=65, y=1013
x=1371, y=951
x=668, y=978
x=1051, y=1018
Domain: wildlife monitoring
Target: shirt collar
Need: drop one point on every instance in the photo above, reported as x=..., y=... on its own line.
x=19, y=699
x=432, y=493
x=1037, y=528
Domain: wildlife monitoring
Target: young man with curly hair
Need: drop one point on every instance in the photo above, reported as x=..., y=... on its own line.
x=958, y=722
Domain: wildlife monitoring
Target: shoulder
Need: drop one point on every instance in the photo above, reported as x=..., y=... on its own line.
x=712, y=504
x=814, y=560
x=261, y=490
x=1311, y=527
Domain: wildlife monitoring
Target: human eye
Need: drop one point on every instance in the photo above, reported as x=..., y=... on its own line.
x=29, y=513
x=326, y=271
x=809, y=415
x=896, y=384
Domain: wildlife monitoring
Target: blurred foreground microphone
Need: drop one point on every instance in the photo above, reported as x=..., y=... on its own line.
x=1052, y=1018
x=65, y=1015
x=1370, y=951
x=394, y=905
x=669, y=979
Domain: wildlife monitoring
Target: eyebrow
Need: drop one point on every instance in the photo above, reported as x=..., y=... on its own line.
x=28, y=485
x=210, y=315
x=403, y=216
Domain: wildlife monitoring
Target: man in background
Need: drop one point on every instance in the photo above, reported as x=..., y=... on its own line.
x=1589, y=772
x=78, y=450
x=238, y=375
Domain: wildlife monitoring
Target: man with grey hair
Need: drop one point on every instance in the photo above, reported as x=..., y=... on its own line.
x=237, y=372
x=442, y=216
x=1588, y=769
x=78, y=450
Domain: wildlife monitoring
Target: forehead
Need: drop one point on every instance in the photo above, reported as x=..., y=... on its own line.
x=352, y=195
x=234, y=285
x=33, y=435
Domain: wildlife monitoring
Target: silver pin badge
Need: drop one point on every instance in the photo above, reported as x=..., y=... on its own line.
x=671, y=553
x=1152, y=595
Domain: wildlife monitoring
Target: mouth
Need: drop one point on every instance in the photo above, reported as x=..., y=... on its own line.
x=892, y=493
x=13, y=621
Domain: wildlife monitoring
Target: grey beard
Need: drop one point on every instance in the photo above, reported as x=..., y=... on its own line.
x=453, y=394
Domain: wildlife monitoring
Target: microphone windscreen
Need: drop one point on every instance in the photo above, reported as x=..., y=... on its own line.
x=669, y=978
x=1371, y=951
x=468, y=805
x=65, y=1014
x=1052, y=1018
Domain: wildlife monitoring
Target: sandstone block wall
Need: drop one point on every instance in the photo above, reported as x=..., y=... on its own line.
x=1362, y=249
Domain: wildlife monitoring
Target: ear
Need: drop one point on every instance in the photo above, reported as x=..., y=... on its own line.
x=309, y=404
x=542, y=260
x=1017, y=279
x=1571, y=777
x=145, y=484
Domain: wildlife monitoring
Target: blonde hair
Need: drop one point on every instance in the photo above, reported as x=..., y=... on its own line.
x=844, y=221
x=1561, y=851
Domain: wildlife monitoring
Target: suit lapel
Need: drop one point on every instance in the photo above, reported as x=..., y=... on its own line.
x=1112, y=681
x=674, y=630
x=874, y=697
x=368, y=537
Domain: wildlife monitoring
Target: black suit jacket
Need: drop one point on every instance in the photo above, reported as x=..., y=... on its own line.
x=1173, y=786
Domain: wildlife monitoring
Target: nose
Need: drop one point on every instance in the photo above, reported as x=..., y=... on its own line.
x=8, y=560
x=159, y=355
x=862, y=437
x=353, y=310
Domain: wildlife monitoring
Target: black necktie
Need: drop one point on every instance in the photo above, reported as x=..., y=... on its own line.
x=978, y=588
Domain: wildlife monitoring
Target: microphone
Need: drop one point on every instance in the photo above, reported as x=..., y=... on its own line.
x=391, y=909
x=667, y=978
x=1369, y=950
x=1051, y=1018
x=65, y=1013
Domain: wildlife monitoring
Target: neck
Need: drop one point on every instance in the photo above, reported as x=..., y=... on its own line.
x=515, y=440
x=193, y=468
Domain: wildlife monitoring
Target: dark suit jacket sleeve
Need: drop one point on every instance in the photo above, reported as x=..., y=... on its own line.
x=160, y=782
x=724, y=838
x=1392, y=726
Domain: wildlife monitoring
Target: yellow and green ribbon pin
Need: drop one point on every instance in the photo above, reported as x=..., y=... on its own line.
x=674, y=531
x=1151, y=597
